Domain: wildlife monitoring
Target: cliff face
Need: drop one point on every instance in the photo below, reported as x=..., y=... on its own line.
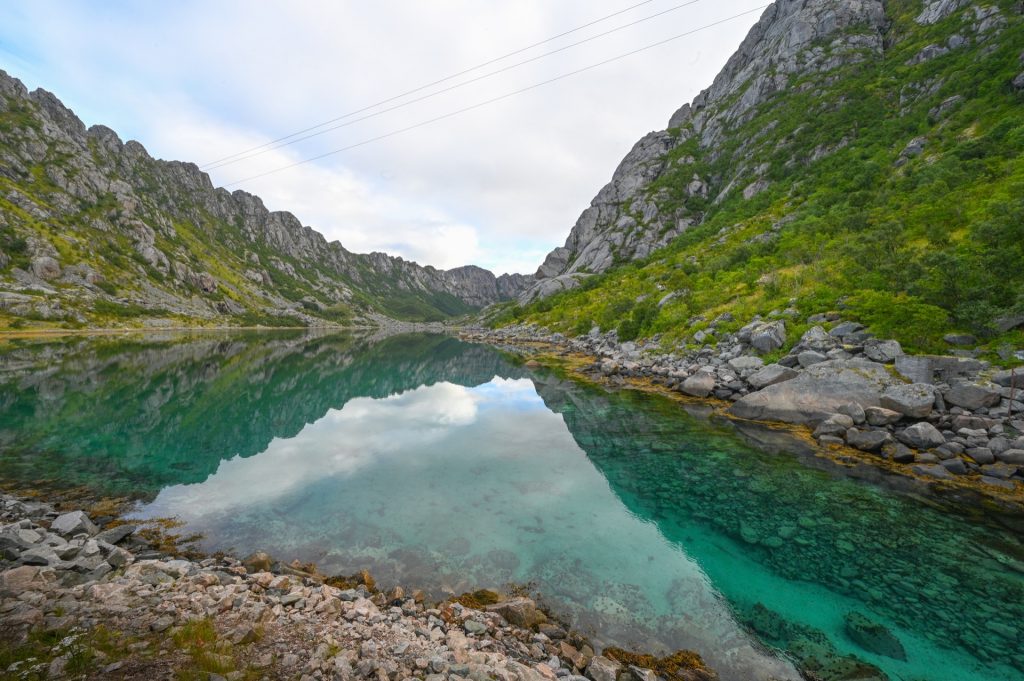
x=631, y=217
x=86, y=218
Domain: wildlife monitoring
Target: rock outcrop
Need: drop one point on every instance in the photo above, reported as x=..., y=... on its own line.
x=634, y=214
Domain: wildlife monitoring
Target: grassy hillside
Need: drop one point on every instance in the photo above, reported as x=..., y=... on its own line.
x=915, y=245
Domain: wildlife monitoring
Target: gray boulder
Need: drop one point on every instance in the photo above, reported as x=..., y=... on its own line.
x=603, y=669
x=867, y=440
x=1011, y=456
x=810, y=357
x=921, y=435
x=884, y=351
x=75, y=522
x=914, y=399
x=768, y=336
x=699, y=385
x=45, y=267
x=973, y=396
x=880, y=416
x=746, y=363
x=1009, y=378
x=770, y=375
x=817, y=393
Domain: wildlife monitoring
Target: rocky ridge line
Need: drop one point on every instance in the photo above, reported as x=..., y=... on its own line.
x=69, y=183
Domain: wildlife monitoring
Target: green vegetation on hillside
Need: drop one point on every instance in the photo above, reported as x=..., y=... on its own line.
x=913, y=245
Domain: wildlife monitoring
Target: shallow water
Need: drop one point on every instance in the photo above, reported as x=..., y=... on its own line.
x=444, y=465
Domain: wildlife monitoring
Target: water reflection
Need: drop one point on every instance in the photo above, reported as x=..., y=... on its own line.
x=483, y=485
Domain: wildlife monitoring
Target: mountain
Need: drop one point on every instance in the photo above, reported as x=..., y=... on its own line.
x=853, y=155
x=95, y=231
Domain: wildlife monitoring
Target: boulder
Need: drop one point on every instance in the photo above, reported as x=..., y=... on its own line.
x=1011, y=456
x=854, y=411
x=981, y=455
x=745, y=363
x=1009, y=378
x=972, y=396
x=911, y=399
x=521, y=612
x=817, y=393
x=884, y=351
x=897, y=452
x=880, y=416
x=960, y=339
x=810, y=357
x=932, y=470
x=867, y=440
x=75, y=522
x=768, y=336
x=770, y=375
x=603, y=669
x=836, y=424
x=921, y=435
x=873, y=637
x=45, y=267
x=699, y=385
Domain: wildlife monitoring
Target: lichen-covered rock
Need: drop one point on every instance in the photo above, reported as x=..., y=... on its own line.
x=913, y=399
x=921, y=435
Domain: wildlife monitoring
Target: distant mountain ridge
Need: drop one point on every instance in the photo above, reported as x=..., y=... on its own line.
x=93, y=230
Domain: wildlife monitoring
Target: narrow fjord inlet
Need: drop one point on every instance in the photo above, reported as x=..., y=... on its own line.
x=434, y=462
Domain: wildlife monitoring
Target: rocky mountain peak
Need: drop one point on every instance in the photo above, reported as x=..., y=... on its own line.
x=628, y=220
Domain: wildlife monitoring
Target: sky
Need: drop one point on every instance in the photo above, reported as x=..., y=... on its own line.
x=498, y=185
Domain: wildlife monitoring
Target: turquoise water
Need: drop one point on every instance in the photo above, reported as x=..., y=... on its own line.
x=447, y=466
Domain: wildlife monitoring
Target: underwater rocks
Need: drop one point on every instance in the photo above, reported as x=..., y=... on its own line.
x=873, y=637
x=906, y=409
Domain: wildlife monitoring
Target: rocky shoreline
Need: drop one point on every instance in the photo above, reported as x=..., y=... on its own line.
x=950, y=419
x=85, y=599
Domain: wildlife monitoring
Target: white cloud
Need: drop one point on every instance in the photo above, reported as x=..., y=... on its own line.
x=498, y=186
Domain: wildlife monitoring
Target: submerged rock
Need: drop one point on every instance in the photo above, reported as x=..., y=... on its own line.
x=873, y=637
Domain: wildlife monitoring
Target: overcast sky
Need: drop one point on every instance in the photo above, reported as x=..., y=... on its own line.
x=498, y=186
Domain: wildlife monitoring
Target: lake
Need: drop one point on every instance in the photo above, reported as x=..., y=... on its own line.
x=450, y=466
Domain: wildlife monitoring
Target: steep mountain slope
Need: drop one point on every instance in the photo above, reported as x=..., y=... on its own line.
x=852, y=154
x=93, y=230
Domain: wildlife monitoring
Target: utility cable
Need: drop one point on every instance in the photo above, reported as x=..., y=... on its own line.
x=271, y=146
x=440, y=80
x=497, y=99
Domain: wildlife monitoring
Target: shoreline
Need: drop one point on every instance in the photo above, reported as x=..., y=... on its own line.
x=580, y=360
x=79, y=597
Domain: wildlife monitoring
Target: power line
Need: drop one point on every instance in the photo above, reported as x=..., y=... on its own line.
x=440, y=80
x=497, y=99
x=271, y=146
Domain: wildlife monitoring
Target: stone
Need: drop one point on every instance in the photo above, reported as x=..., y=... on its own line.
x=960, y=339
x=981, y=455
x=770, y=375
x=521, y=612
x=46, y=268
x=932, y=471
x=768, y=336
x=854, y=411
x=1009, y=378
x=745, y=363
x=810, y=357
x=873, y=637
x=955, y=465
x=836, y=424
x=1012, y=456
x=973, y=396
x=898, y=452
x=845, y=329
x=880, y=416
x=116, y=534
x=603, y=669
x=884, y=351
x=867, y=440
x=921, y=435
x=75, y=522
x=817, y=393
x=914, y=399
x=258, y=561
x=699, y=385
